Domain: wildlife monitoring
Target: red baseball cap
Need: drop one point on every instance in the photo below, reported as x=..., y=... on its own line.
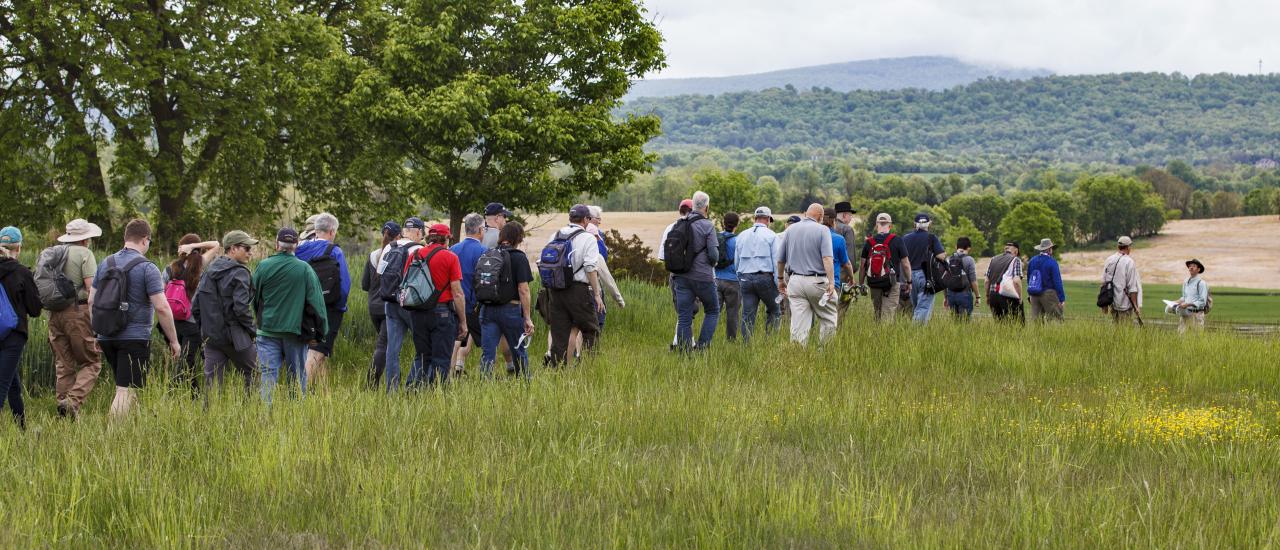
x=687, y=203
x=439, y=229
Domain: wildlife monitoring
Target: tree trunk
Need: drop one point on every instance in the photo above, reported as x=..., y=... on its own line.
x=456, y=213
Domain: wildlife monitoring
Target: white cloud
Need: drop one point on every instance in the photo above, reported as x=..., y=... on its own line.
x=720, y=37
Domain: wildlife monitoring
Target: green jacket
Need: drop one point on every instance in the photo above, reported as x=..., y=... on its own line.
x=284, y=284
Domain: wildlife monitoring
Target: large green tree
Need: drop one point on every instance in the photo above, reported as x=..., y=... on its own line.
x=189, y=99
x=493, y=100
x=1116, y=205
x=985, y=210
x=1030, y=222
x=730, y=191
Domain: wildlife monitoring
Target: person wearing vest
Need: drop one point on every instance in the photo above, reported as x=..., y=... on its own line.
x=1044, y=285
x=324, y=240
x=19, y=287
x=1005, y=307
x=287, y=296
x=1195, y=299
x=754, y=258
x=77, y=359
x=129, y=351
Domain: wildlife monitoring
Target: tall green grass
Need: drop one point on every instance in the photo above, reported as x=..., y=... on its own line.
x=947, y=435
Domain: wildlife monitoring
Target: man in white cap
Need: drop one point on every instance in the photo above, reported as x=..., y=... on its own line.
x=1122, y=272
x=77, y=356
x=755, y=259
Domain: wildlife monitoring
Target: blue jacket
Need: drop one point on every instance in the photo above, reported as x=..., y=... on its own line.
x=468, y=251
x=729, y=273
x=314, y=249
x=1049, y=274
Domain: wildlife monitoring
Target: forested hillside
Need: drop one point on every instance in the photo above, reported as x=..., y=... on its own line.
x=1117, y=119
x=923, y=72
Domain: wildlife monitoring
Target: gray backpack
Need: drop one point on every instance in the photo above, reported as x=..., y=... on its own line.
x=57, y=292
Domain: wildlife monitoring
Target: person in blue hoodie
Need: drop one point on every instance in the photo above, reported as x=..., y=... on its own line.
x=727, y=286
x=323, y=244
x=1044, y=285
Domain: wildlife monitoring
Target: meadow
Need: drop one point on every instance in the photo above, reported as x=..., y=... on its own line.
x=948, y=435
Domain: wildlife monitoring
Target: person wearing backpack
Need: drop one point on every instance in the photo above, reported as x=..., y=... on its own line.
x=1044, y=285
x=505, y=303
x=289, y=302
x=728, y=290
x=223, y=308
x=440, y=320
x=884, y=266
x=923, y=249
x=690, y=253
x=1195, y=300
x=180, y=280
x=330, y=264
x=683, y=209
x=468, y=250
x=391, y=268
x=1120, y=271
x=77, y=357
x=1004, y=284
x=128, y=298
x=962, y=281
x=567, y=266
x=376, y=305
x=19, y=301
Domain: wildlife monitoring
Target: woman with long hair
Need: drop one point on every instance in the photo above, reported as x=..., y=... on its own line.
x=20, y=293
x=193, y=256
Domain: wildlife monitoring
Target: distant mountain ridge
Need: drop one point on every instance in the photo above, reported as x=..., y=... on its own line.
x=924, y=72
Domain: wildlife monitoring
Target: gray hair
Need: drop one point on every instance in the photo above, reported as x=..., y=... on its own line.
x=472, y=223
x=701, y=201
x=596, y=211
x=326, y=223
x=286, y=247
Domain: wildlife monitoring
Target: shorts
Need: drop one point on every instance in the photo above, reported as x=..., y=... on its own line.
x=129, y=360
x=335, y=323
x=473, y=325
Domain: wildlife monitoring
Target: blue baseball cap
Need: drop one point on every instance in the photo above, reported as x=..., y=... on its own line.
x=414, y=223
x=10, y=235
x=495, y=208
x=391, y=228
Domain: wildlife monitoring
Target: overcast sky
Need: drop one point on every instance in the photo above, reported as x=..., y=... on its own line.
x=724, y=37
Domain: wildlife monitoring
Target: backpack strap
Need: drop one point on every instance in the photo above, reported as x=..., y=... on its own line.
x=124, y=271
x=328, y=250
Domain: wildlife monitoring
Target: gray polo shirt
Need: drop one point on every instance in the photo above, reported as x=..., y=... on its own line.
x=804, y=245
x=707, y=245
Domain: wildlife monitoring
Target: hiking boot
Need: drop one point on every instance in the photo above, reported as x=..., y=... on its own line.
x=64, y=407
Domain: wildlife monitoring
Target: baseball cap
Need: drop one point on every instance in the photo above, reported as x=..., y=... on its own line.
x=1013, y=244
x=884, y=217
x=844, y=206
x=687, y=203
x=391, y=227
x=829, y=213
x=440, y=229
x=764, y=211
x=1125, y=241
x=923, y=218
x=10, y=235
x=236, y=237
x=495, y=208
x=414, y=223
x=287, y=235
x=579, y=211
x=793, y=219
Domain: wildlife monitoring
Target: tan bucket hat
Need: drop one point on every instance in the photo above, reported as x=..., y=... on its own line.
x=80, y=229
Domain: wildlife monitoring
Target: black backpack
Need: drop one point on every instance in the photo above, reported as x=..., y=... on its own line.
x=955, y=278
x=1107, y=292
x=725, y=259
x=111, y=299
x=396, y=257
x=677, y=251
x=492, y=283
x=330, y=274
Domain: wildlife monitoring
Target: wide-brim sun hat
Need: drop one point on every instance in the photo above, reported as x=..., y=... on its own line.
x=1045, y=244
x=80, y=229
x=1196, y=263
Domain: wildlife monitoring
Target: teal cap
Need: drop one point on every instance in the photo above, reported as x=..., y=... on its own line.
x=10, y=235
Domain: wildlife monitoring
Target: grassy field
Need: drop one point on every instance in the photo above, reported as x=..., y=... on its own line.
x=949, y=435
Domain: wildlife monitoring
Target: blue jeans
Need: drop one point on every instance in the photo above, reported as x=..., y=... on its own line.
x=497, y=322
x=921, y=300
x=686, y=292
x=10, y=374
x=398, y=323
x=759, y=288
x=434, y=332
x=960, y=303
x=273, y=353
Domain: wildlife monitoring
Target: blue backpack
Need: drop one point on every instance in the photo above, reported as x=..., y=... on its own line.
x=8, y=317
x=1035, y=283
x=555, y=264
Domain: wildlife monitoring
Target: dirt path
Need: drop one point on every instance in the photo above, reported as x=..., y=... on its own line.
x=1237, y=252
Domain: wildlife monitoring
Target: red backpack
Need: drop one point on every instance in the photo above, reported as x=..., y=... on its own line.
x=879, y=263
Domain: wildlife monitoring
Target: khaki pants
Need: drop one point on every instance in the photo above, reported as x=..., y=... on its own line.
x=1126, y=316
x=1045, y=306
x=1191, y=319
x=804, y=292
x=77, y=357
x=885, y=302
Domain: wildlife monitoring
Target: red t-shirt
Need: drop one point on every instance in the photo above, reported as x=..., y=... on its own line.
x=445, y=268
